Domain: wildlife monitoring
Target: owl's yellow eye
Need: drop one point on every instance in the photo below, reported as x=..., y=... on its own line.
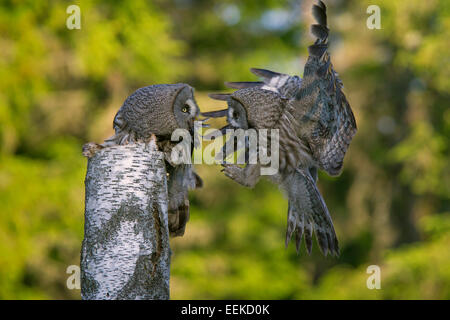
x=185, y=108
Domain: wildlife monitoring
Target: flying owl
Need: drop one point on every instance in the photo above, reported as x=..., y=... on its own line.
x=316, y=126
x=159, y=110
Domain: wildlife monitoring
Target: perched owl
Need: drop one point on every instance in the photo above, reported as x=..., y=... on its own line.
x=316, y=126
x=159, y=110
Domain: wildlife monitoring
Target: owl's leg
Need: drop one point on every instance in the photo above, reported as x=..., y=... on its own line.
x=247, y=176
x=308, y=213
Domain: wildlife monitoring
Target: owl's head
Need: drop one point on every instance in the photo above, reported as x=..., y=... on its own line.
x=158, y=109
x=185, y=108
x=254, y=107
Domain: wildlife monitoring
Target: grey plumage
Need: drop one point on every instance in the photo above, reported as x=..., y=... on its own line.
x=316, y=126
x=308, y=211
x=159, y=110
x=284, y=84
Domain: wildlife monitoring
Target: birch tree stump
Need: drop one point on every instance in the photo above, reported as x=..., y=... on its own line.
x=125, y=252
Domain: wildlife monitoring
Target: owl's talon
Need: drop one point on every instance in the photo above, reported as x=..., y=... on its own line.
x=315, y=129
x=234, y=172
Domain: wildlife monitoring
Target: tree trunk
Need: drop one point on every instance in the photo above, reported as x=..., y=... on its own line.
x=125, y=252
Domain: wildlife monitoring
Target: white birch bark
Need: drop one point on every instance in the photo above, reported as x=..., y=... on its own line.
x=125, y=252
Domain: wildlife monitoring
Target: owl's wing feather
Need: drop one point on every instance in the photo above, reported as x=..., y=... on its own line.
x=273, y=81
x=281, y=83
x=326, y=120
x=308, y=213
x=243, y=84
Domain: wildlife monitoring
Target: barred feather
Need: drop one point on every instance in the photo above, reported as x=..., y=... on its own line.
x=308, y=213
x=319, y=13
x=326, y=120
x=281, y=83
x=319, y=31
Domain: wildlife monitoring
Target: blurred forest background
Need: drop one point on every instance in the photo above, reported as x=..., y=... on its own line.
x=60, y=88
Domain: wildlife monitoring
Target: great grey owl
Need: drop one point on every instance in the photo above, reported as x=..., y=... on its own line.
x=159, y=110
x=316, y=126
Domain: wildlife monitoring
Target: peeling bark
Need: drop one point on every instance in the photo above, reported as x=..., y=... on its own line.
x=125, y=252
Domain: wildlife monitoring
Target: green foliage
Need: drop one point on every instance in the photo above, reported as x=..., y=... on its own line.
x=41, y=222
x=416, y=271
x=60, y=88
x=119, y=42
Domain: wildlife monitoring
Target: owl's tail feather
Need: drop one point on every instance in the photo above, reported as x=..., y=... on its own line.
x=308, y=214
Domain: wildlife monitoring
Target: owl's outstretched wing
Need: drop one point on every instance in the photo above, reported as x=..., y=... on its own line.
x=281, y=83
x=308, y=214
x=325, y=119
